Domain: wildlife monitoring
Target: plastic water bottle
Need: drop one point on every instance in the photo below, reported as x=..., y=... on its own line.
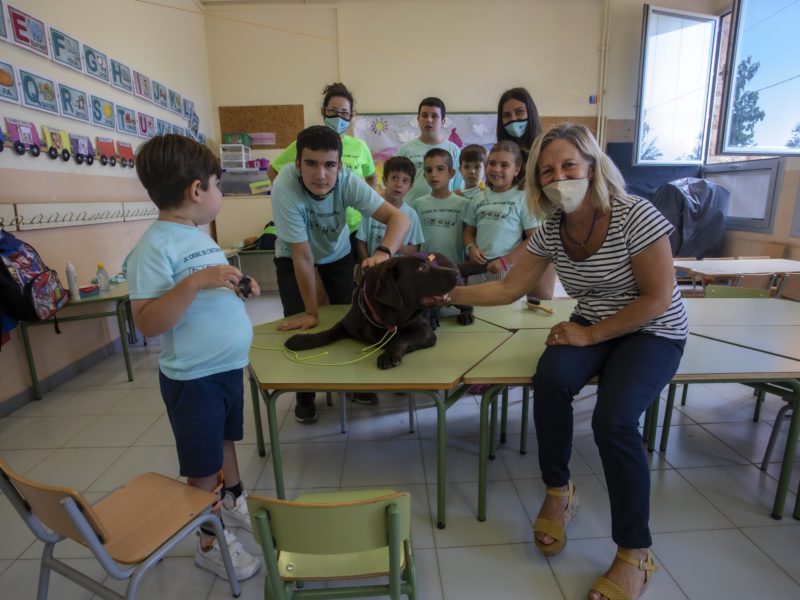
x=72, y=281
x=102, y=278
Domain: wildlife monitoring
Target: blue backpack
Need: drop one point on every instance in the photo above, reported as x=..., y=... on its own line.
x=29, y=291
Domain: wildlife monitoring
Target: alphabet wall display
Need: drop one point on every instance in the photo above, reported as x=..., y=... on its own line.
x=66, y=49
x=38, y=92
x=142, y=86
x=126, y=120
x=103, y=112
x=96, y=63
x=188, y=109
x=175, y=102
x=121, y=76
x=28, y=32
x=159, y=94
x=163, y=127
x=74, y=103
x=9, y=92
x=147, y=126
x=3, y=30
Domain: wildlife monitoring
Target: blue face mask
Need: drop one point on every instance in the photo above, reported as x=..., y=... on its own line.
x=338, y=124
x=517, y=128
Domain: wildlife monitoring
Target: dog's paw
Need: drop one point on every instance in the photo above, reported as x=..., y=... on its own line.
x=388, y=360
x=465, y=318
x=298, y=342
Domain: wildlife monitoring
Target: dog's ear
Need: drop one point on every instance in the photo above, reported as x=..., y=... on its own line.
x=386, y=289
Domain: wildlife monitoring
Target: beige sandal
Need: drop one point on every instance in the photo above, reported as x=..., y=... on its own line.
x=612, y=591
x=558, y=531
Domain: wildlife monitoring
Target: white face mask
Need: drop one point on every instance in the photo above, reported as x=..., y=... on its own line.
x=567, y=194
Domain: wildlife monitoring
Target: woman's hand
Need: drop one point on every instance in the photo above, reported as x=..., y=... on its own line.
x=570, y=334
x=305, y=321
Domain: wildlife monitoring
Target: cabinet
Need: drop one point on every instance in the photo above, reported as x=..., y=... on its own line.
x=233, y=157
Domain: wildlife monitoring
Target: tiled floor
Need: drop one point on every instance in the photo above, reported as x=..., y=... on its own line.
x=713, y=535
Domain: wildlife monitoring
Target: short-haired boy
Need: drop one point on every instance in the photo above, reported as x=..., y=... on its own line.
x=398, y=175
x=183, y=290
x=471, y=166
x=430, y=117
x=441, y=213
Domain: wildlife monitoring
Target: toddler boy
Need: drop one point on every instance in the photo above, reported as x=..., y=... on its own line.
x=183, y=290
x=441, y=213
x=398, y=174
x=471, y=166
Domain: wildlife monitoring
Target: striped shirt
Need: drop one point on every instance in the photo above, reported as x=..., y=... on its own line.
x=604, y=283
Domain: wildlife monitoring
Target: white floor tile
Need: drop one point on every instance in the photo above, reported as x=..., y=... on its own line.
x=693, y=446
x=89, y=401
x=23, y=461
x=158, y=434
x=501, y=572
x=383, y=463
x=675, y=505
x=46, y=432
x=130, y=464
x=525, y=466
x=20, y=580
x=461, y=461
x=722, y=564
x=143, y=401
x=16, y=534
x=112, y=430
x=306, y=466
x=76, y=468
x=780, y=544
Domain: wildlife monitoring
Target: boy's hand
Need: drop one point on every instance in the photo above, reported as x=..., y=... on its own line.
x=214, y=277
x=374, y=260
x=477, y=255
x=255, y=289
x=304, y=321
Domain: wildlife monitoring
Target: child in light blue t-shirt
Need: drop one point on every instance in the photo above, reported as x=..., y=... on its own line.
x=471, y=166
x=498, y=223
x=430, y=117
x=183, y=289
x=441, y=213
x=398, y=174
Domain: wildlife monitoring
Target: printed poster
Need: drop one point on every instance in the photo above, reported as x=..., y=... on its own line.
x=159, y=94
x=121, y=76
x=74, y=103
x=175, y=102
x=188, y=109
x=103, y=112
x=178, y=130
x=142, y=86
x=28, y=32
x=3, y=30
x=96, y=63
x=8, y=83
x=163, y=127
x=147, y=126
x=194, y=126
x=38, y=92
x=126, y=120
x=66, y=49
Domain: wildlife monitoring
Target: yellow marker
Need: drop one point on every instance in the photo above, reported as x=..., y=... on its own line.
x=546, y=309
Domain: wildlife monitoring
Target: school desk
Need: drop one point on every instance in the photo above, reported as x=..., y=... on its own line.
x=517, y=315
x=118, y=295
x=435, y=371
x=742, y=266
x=742, y=311
x=704, y=361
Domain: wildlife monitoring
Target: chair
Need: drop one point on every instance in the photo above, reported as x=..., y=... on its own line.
x=759, y=281
x=335, y=536
x=129, y=531
x=727, y=291
x=789, y=287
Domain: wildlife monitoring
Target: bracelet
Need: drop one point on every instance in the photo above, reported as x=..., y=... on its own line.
x=502, y=262
x=385, y=250
x=468, y=248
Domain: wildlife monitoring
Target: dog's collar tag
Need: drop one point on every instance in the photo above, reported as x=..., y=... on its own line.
x=432, y=259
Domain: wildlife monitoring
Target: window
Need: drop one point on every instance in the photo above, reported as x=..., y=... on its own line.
x=754, y=187
x=761, y=113
x=676, y=74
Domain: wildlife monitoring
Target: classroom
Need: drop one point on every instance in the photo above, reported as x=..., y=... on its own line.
x=101, y=420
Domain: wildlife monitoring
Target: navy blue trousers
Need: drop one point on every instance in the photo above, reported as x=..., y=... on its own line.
x=632, y=370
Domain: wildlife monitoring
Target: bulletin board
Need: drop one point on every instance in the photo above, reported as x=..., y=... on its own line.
x=284, y=120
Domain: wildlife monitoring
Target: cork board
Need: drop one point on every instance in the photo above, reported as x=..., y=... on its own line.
x=284, y=120
x=590, y=122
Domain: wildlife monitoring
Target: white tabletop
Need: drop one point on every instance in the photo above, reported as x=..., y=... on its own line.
x=739, y=266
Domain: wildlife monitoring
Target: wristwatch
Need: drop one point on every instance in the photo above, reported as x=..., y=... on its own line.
x=385, y=250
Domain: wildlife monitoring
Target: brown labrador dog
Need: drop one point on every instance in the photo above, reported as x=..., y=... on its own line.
x=396, y=293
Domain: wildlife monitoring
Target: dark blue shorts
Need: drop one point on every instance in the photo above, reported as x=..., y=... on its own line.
x=203, y=412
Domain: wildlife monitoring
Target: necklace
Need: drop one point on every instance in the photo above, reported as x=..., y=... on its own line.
x=588, y=235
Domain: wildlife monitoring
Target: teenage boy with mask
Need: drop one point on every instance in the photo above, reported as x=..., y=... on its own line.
x=309, y=200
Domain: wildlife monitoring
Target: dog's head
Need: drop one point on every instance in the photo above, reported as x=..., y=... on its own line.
x=412, y=282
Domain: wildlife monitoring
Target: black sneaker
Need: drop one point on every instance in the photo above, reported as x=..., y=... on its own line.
x=365, y=398
x=304, y=410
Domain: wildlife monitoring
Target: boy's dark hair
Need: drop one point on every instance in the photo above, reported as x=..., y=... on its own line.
x=318, y=137
x=168, y=164
x=434, y=152
x=472, y=153
x=401, y=164
x=432, y=101
x=534, y=124
x=337, y=89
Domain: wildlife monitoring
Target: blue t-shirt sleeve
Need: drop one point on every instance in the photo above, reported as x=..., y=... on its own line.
x=414, y=235
x=357, y=193
x=148, y=272
x=290, y=222
x=361, y=234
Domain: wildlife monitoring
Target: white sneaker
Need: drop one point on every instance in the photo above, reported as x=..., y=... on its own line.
x=245, y=565
x=234, y=512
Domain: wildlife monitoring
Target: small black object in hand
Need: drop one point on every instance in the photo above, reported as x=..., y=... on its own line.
x=244, y=286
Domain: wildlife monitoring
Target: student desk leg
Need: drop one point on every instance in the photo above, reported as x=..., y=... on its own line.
x=119, y=312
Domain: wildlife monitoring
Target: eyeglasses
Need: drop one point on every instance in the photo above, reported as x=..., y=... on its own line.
x=332, y=112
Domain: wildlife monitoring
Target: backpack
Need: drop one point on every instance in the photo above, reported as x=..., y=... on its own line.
x=267, y=239
x=29, y=291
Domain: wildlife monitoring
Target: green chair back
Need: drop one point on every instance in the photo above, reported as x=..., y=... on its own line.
x=726, y=291
x=335, y=535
